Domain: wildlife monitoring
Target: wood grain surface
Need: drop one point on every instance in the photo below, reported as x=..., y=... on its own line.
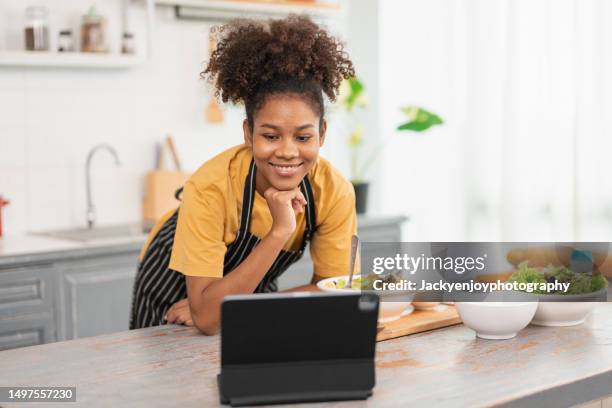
x=176, y=366
x=419, y=321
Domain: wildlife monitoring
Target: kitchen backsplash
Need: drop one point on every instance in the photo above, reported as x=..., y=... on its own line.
x=50, y=118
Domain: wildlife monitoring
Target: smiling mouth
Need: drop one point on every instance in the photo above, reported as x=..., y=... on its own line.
x=282, y=166
x=286, y=170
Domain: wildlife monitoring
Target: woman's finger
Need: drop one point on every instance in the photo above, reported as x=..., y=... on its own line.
x=170, y=313
x=170, y=316
x=301, y=198
x=298, y=201
x=269, y=193
x=178, y=316
x=297, y=205
x=184, y=317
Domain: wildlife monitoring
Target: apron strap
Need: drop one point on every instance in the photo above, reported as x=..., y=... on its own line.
x=248, y=198
x=311, y=220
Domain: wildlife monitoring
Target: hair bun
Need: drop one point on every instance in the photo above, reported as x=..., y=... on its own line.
x=251, y=53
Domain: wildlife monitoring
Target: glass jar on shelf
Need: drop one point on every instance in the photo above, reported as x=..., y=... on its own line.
x=37, y=29
x=128, y=46
x=65, y=43
x=93, y=32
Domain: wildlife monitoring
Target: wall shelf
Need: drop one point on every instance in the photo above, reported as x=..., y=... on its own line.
x=80, y=60
x=228, y=9
x=184, y=9
x=68, y=60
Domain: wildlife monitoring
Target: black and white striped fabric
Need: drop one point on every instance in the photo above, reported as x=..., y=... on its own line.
x=157, y=287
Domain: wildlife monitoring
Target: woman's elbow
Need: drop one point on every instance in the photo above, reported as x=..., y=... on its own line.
x=209, y=329
x=206, y=325
x=203, y=307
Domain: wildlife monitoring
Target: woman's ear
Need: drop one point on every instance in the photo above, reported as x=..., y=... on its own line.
x=322, y=131
x=248, y=137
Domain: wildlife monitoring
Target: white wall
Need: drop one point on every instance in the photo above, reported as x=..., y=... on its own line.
x=523, y=87
x=50, y=118
x=363, y=46
x=423, y=172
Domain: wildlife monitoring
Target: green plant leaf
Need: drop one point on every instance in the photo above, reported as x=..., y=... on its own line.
x=356, y=137
x=415, y=126
x=352, y=94
x=356, y=86
x=411, y=111
x=419, y=119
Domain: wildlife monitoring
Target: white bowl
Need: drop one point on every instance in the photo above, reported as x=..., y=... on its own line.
x=562, y=313
x=496, y=320
x=393, y=305
x=573, y=312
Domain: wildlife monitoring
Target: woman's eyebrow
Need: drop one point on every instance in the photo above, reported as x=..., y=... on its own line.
x=302, y=127
x=270, y=126
x=308, y=125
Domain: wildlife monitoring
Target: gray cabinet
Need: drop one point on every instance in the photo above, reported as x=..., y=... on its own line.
x=76, y=294
x=27, y=297
x=95, y=295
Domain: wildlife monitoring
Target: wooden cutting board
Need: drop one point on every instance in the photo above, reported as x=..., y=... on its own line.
x=419, y=321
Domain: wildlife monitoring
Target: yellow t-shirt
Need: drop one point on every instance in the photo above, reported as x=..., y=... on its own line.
x=209, y=217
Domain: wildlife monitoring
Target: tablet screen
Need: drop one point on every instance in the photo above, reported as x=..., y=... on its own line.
x=278, y=328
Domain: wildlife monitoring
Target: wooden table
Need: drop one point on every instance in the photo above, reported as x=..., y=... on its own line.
x=176, y=366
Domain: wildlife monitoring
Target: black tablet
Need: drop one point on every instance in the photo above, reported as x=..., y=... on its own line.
x=297, y=347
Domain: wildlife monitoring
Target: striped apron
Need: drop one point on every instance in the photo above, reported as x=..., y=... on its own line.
x=158, y=287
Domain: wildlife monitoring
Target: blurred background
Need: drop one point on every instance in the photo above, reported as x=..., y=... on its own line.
x=469, y=120
x=521, y=86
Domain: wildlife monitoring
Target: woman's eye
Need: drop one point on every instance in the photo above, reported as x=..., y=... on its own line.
x=270, y=136
x=304, y=138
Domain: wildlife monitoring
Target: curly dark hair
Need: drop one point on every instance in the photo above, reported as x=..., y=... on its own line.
x=256, y=59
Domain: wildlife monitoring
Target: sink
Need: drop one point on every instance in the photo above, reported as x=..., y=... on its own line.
x=98, y=233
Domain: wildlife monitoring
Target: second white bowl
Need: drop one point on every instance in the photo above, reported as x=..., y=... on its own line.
x=496, y=320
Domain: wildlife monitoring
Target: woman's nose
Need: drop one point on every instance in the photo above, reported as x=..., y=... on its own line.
x=287, y=149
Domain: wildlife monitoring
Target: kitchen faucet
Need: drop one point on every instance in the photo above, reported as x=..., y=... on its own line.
x=91, y=212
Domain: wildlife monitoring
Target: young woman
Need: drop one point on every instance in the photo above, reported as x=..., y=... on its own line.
x=248, y=213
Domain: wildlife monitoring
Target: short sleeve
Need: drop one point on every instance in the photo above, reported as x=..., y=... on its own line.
x=199, y=248
x=330, y=248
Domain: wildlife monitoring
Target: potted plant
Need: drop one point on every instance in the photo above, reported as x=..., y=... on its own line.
x=352, y=95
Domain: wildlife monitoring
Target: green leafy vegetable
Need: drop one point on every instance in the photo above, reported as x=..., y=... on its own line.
x=579, y=282
x=367, y=283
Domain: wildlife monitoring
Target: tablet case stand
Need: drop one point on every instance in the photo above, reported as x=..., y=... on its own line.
x=294, y=382
x=330, y=379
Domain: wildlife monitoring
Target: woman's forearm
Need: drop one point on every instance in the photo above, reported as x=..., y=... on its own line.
x=205, y=302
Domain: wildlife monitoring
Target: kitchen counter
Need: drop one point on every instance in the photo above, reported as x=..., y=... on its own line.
x=54, y=289
x=175, y=365
x=28, y=249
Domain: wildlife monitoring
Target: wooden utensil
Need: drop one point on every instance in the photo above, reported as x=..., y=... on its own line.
x=354, y=246
x=214, y=113
x=172, y=148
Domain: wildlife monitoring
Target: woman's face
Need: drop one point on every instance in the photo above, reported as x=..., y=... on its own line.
x=285, y=141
